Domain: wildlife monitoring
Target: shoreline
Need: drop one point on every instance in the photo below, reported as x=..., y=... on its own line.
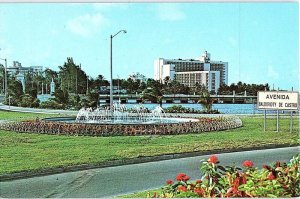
x=72, y=112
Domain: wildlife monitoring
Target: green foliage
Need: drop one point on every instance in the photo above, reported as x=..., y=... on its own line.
x=240, y=88
x=29, y=101
x=15, y=91
x=73, y=79
x=61, y=97
x=93, y=98
x=52, y=104
x=74, y=102
x=32, y=92
x=206, y=101
x=182, y=109
x=281, y=180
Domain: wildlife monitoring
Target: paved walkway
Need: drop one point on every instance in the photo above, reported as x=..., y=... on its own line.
x=36, y=110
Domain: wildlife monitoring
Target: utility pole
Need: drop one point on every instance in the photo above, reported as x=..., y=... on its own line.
x=76, y=82
x=87, y=85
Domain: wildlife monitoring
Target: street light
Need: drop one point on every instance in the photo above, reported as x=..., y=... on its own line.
x=111, y=75
x=5, y=76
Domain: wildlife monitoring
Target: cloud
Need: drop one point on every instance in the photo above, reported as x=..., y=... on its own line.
x=86, y=25
x=170, y=12
x=272, y=73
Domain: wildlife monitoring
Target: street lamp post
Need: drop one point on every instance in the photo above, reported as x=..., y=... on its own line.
x=111, y=74
x=5, y=76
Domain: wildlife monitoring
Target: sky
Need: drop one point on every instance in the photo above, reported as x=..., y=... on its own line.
x=260, y=41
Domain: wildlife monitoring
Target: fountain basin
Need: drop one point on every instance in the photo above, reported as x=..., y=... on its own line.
x=129, y=120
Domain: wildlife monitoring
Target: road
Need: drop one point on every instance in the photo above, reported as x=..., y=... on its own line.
x=113, y=181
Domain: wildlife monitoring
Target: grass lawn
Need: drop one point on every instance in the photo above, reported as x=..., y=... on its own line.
x=24, y=151
x=18, y=116
x=142, y=194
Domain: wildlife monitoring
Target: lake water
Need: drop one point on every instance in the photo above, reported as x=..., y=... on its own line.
x=223, y=108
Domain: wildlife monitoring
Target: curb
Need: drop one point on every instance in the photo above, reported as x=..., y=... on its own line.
x=139, y=160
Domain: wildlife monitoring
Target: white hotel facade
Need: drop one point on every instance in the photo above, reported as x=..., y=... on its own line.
x=203, y=71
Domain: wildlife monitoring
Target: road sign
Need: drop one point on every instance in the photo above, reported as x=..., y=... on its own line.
x=277, y=100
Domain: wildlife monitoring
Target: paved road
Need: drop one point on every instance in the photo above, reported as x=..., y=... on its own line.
x=112, y=181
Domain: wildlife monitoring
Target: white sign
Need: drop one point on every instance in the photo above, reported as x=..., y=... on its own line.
x=278, y=100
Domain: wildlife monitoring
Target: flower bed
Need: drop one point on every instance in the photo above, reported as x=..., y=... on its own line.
x=278, y=180
x=59, y=128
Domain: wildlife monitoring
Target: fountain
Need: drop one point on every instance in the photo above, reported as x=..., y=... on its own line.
x=123, y=122
x=121, y=115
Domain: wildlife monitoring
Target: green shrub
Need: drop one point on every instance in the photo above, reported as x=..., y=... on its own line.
x=278, y=180
x=29, y=101
x=51, y=104
x=181, y=109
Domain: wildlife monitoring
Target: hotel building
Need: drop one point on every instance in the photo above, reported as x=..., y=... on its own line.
x=203, y=71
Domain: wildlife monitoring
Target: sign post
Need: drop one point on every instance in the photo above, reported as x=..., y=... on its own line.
x=278, y=100
x=291, y=122
x=265, y=118
x=277, y=129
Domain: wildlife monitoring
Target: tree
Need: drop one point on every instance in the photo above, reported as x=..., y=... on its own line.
x=206, y=101
x=15, y=91
x=199, y=88
x=240, y=88
x=93, y=98
x=61, y=97
x=73, y=79
x=174, y=87
x=154, y=92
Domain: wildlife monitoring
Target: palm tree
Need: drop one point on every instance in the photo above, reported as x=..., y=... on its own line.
x=154, y=92
x=206, y=101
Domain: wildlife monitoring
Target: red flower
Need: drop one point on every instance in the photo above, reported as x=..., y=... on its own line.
x=182, y=177
x=198, y=181
x=248, y=163
x=199, y=191
x=182, y=188
x=213, y=159
x=186, y=178
x=271, y=176
x=170, y=182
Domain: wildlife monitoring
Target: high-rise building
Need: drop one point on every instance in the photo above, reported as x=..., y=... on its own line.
x=189, y=72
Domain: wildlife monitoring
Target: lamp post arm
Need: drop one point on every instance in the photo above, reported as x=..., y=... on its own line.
x=112, y=36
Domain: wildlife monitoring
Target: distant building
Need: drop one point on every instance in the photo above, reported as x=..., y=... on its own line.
x=116, y=90
x=19, y=72
x=203, y=71
x=138, y=76
x=17, y=68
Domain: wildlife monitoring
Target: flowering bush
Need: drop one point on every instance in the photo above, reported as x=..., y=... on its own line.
x=59, y=128
x=278, y=180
